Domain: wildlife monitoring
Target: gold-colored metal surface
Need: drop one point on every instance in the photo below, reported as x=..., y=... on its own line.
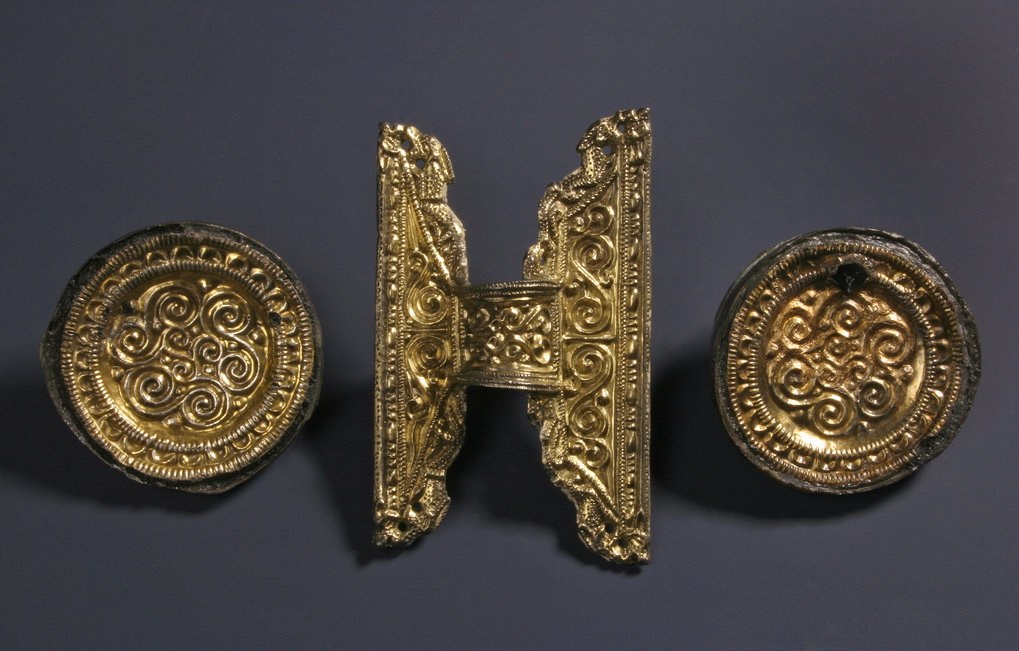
x=845, y=359
x=575, y=333
x=185, y=354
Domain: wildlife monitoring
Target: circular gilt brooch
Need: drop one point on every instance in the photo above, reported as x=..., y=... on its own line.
x=844, y=360
x=186, y=355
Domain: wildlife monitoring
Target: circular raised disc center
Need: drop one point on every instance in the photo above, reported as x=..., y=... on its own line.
x=186, y=357
x=843, y=368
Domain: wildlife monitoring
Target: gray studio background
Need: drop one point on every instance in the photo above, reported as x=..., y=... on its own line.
x=770, y=119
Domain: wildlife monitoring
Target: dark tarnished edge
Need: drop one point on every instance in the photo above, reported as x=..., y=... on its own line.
x=49, y=355
x=931, y=445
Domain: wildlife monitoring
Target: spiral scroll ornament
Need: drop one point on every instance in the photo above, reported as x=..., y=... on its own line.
x=419, y=408
x=841, y=365
x=594, y=239
x=574, y=334
x=186, y=355
x=844, y=360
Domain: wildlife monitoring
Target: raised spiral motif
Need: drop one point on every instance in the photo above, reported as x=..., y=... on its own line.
x=151, y=390
x=593, y=252
x=877, y=397
x=591, y=366
x=427, y=303
x=832, y=414
x=839, y=361
x=795, y=380
x=187, y=353
x=891, y=345
x=592, y=257
x=427, y=353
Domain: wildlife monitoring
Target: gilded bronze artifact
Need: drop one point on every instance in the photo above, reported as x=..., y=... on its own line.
x=844, y=360
x=186, y=355
x=574, y=333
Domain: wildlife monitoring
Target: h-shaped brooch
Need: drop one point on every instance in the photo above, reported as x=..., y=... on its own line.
x=574, y=333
